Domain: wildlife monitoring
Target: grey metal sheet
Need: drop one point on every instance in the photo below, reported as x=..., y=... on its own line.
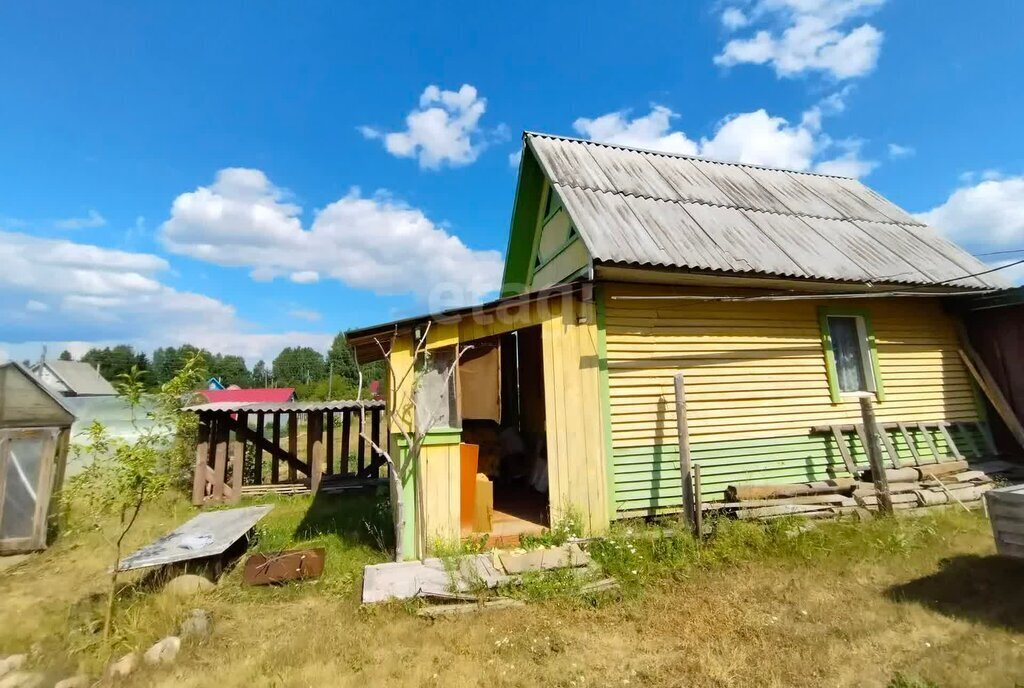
x=682, y=240
x=207, y=535
x=788, y=188
x=291, y=406
x=570, y=165
x=731, y=229
x=926, y=259
x=632, y=174
x=851, y=205
x=742, y=190
x=816, y=254
x=609, y=228
x=648, y=208
x=968, y=264
x=870, y=197
x=876, y=259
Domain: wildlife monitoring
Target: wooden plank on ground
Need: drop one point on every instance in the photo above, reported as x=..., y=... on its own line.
x=844, y=450
x=988, y=385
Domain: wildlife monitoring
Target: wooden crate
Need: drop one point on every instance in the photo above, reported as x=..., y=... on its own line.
x=1006, y=512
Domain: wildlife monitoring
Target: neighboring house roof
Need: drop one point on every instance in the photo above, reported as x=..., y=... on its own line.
x=276, y=395
x=643, y=208
x=80, y=378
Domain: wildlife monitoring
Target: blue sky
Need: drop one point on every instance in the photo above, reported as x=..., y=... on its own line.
x=247, y=176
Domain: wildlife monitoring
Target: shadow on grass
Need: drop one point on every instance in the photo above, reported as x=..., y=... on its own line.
x=359, y=517
x=978, y=588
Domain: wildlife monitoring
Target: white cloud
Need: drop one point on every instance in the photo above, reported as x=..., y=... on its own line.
x=989, y=214
x=652, y=131
x=305, y=314
x=514, y=157
x=305, y=277
x=733, y=18
x=755, y=138
x=73, y=295
x=804, y=36
x=91, y=220
x=897, y=151
x=445, y=128
x=375, y=243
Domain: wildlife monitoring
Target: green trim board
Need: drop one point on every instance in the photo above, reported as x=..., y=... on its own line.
x=434, y=437
x=830, y=359
x=606, y=403
x=646, y=479
x=526, y=210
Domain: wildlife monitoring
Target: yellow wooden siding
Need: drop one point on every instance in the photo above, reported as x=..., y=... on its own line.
x=570, y=261
x=442, y=499
x=576, y=461
x=756, y=369
x=573, y=419
x=553, y=235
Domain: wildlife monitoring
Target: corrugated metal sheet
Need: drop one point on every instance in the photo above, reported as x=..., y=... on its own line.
x=291, y=406
x=646, y=208
x=81, y=378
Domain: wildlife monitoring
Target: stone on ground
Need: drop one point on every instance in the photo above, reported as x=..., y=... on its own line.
x=570, y=556
x=11, y=663
x=79, y=681
x=124, y=666
x=22, y=679
x=163, y=651
x=198, y=624
x=188, y=584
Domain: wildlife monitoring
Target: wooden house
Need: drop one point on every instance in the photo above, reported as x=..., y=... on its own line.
x=783, y=297
x=35, y=426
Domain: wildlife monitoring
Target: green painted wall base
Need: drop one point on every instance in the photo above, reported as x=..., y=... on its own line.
x=646, y=479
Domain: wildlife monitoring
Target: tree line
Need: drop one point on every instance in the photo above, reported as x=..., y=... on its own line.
x=314, y=375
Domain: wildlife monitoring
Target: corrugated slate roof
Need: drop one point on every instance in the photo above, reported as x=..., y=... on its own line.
x=291, y=406
x=271, y=395
x=81, y=378
x=654, y=209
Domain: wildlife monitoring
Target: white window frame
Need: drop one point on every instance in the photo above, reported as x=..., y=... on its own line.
x=865, y=356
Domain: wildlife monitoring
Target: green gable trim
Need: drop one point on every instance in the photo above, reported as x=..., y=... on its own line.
x=526, y=210
x=830, y=359
x=606, y=403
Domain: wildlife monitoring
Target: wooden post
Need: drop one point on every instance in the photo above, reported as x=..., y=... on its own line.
x=684, y=449
x=874, y=449
x=346, y=430
x=238, y=458
x=293, y=444
x=315, y=448
x=698, y=500
x=202, y=460
x=258, y=468
x=275, y=464
x=990, y=387
x=330, y=442
x=220, y=460
x=362, y=448
x=375, y=434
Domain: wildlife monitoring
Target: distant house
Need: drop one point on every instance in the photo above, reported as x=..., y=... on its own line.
x=214, y=383
x=73, y=379
x=264, y=395
x=783, y=297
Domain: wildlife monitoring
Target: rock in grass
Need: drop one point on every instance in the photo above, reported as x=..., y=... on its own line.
x=22, y=679
x=124, y=666
x=198, y=624
x=11, y=663
x=163, y=651
x=188, y=584
x=79, y=681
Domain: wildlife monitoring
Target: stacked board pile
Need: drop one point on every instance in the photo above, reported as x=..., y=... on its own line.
x=910, y=489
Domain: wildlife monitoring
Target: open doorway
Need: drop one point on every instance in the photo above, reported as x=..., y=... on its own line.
x=501, y=403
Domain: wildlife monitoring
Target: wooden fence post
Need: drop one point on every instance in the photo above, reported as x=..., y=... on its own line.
x=684, y=450
x=202, y=461
x=698, y=500
x=315, y=448
x=874, y=450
